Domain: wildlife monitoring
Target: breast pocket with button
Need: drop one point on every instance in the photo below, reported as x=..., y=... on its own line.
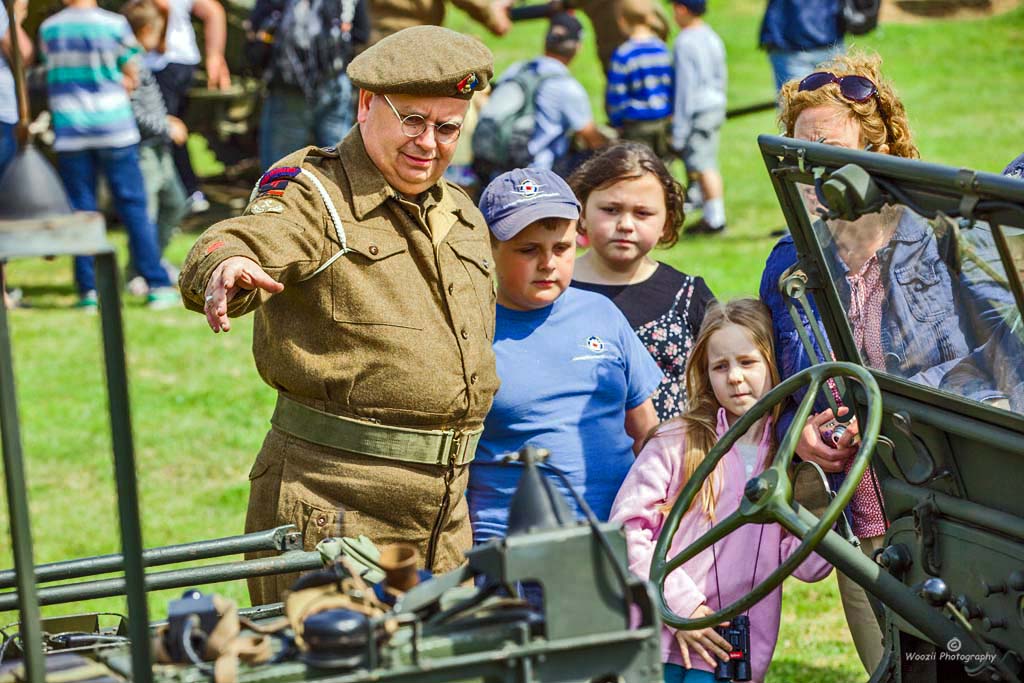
x=478, y=266
x=928, y=291
x=377, y=282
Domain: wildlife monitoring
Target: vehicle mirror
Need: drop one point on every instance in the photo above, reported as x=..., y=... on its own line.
x=850, y=192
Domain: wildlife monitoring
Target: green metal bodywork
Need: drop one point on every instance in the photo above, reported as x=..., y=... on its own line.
x=949, y=466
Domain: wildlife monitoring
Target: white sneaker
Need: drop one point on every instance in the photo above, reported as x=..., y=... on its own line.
x=137, y=286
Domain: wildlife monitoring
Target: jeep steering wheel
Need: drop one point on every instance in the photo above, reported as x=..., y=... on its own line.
x=767, y=496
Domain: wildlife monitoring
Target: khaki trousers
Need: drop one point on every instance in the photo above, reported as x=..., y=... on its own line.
x=860, y=618
x=326, y=492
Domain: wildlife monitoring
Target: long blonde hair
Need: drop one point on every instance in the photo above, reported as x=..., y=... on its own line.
x=883, y=120
x=699, y=423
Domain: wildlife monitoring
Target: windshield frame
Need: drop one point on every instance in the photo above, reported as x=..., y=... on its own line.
x=792, y=163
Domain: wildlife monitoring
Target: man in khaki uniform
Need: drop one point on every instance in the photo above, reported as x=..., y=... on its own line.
x=390, y=16
x=370, y=278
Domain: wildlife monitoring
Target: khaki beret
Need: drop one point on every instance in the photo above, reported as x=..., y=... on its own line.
x=428, y=61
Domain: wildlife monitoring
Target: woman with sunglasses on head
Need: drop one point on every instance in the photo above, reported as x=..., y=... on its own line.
x=904, y=304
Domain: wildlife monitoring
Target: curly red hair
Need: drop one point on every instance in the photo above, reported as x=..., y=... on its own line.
x=883, y=119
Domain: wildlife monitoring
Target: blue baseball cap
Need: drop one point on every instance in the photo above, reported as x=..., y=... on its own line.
x=517, y=198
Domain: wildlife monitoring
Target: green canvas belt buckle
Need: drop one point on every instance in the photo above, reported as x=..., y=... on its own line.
x=423, y=446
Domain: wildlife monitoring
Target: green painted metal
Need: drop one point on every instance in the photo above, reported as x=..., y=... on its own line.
x=282, y=538
x=129, y=515
x=949, y=467
x=293, y=561
x=17, y=506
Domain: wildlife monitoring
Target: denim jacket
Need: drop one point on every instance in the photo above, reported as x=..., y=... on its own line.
x=930, y=320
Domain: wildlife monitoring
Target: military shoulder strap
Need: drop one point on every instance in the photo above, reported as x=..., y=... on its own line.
x=332, y=210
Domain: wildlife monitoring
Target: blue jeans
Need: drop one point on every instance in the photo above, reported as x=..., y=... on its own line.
x=120, y=166
x=288, y=122
x=8, y=146
x=790, y=64
x=677, y=674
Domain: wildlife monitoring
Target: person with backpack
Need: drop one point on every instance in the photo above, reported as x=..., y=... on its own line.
x=302, y=48
x=535, y=111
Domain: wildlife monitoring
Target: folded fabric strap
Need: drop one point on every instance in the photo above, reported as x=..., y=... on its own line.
x=302, y=604
x=225, y=646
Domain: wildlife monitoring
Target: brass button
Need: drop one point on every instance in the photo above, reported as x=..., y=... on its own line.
x=374, y=250
x=321, y=519
x=473, y=378
x=451, y=289
x=465, y=335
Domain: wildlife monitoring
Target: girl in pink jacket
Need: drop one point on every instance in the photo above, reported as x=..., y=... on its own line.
x=731, y=365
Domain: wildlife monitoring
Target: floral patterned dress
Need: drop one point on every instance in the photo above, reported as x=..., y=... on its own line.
x=665, y=311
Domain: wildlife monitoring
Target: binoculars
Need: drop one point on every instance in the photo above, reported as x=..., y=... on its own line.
x=738, y=635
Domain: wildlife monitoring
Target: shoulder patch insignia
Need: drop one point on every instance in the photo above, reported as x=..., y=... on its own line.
x=265, y=205
x=276, y=180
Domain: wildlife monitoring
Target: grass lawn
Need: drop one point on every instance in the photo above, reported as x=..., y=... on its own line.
x=200, y=410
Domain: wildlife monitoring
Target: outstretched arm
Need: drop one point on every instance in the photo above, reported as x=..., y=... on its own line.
x=211, y=13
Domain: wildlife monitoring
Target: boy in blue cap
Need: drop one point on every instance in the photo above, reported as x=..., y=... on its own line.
x=575, y=379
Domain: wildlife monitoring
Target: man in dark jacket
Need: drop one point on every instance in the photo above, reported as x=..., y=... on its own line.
x=303, y=47
x=800, y=34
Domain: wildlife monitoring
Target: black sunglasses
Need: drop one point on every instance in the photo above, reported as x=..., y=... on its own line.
x=854, y=88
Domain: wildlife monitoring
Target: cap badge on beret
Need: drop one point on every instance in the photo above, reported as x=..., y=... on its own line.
x=468, y=83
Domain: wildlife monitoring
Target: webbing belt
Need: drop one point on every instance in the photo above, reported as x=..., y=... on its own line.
x=423, y=446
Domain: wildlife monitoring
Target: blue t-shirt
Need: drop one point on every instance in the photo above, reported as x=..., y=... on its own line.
x=569, y=372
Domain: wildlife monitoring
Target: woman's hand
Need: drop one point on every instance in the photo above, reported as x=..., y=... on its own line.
x=813, y=447
x=706, y=641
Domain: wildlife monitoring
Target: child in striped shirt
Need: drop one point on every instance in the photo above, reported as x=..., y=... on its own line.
x=90, y=66
x=639, y=95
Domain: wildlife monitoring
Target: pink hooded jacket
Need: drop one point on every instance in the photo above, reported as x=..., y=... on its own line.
x=657, y=477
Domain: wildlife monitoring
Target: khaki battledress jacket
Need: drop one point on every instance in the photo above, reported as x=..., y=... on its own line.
x=398, y=331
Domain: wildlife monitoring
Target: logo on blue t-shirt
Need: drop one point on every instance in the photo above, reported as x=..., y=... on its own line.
x=596, y=349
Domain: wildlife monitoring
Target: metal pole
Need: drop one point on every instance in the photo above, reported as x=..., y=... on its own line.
x=17, y=504
x=273, y=539
x=124, y=465
x=294, y=561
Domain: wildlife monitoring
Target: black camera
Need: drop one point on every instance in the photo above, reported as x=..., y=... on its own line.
x=738, y=635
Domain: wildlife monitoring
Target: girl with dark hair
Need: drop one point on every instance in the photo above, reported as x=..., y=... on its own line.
x=631, y=203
